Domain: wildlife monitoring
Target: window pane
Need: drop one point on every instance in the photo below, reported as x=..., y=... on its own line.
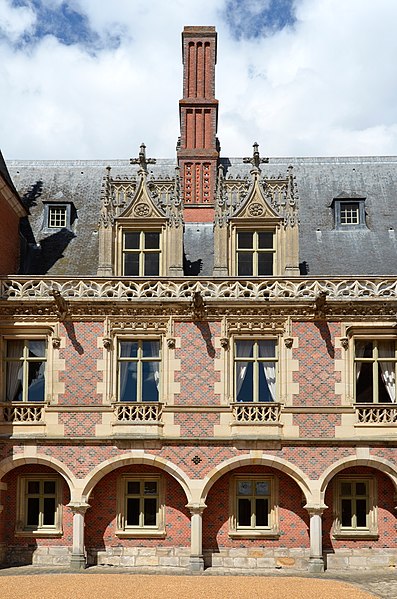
x=361, y=508
x=152, y=241
x=150, y=512
x=131, y=264
x=33, y=487
x=261, y=512
x=265, y=263
x=150, y=349
x=265, y=240
x=133, y=487
x=14, y=376
x=361, y=489
x=33, y=511
x=244, y=349
x=128, y=349
x=128, y=381
x=267, y=348
x=364, y=385
x=244, y=487
x=152, y=261
x=267, y=379
x=244, y=512
x=36, y=348
x=262, y=488
x=36, y=381
x=346, y=519
x=386, y=349
x=49, y=511
x=245, y=264
x=49, y=487
x=133, y=511
x=150, y=487
x=150, y=380
x=244, y=381
x=245, y=240
x=346, y=489
x=131, y=240
x=15, y=349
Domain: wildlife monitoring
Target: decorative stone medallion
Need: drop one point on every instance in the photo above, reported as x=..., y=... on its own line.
x=256, y=209
x=142, y=210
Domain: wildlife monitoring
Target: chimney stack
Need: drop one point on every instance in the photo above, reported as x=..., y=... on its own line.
x=198, y=152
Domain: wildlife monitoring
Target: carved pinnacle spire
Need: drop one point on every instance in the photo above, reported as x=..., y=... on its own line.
x=142, y=160
x=256, y=160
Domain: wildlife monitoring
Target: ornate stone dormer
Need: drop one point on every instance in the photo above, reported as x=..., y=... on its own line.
x=140, y=226
x=256, y=223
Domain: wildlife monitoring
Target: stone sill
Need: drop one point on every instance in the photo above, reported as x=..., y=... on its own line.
x=248, y=534
x=374, y=536
x=39, y=533
x=140, y=534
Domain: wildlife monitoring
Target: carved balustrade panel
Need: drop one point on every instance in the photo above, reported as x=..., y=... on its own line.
x=256, y=413
x=138, y=412
x=379, y=414
x=25, y=412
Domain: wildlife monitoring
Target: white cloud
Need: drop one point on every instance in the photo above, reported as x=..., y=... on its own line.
x=326, y=86
x=15, y=21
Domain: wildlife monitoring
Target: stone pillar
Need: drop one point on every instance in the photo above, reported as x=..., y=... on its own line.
x=78, y=559
x=196, y=537
x=316, y=560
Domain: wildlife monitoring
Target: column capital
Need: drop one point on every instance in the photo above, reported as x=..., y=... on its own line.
x=315, y=510
x=78, y=507
x=196, y=508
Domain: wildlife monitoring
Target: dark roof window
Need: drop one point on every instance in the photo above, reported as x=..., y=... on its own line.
x=58, y=215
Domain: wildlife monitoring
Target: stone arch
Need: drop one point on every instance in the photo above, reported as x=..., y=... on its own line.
x=381, y=464
x=11, y=463
x=150, y=460
x=265, y=460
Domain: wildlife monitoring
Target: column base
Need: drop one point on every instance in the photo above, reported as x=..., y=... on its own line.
x=316, y=565
x=77, y=562
x=196, y=563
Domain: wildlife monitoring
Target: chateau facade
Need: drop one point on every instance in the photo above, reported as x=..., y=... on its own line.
x=199, y=356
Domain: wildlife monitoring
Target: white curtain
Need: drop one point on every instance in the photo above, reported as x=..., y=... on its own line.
x=125, y=368
x=359, y=353
x=155, y=364
x=386, y=350
x=14, y=370
x=243, y=350
x=267, y=349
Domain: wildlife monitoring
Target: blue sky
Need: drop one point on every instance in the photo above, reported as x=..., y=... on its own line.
x=87, y=79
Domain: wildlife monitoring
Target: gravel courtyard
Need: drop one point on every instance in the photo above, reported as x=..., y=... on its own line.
x=123, y=586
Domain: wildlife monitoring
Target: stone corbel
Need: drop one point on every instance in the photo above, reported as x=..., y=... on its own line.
x=288, y=341
x=61, y=304
x=171, y=342
x=198, y=305
x=224, y=341
x=107, y=342
x=344, y=341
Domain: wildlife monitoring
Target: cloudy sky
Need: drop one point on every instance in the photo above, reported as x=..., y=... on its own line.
x=92, y=79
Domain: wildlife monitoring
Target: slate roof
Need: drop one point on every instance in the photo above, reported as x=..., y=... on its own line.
x=324, y=250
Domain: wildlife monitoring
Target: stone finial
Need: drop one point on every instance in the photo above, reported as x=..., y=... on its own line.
x=255, y=160
x=142, y=160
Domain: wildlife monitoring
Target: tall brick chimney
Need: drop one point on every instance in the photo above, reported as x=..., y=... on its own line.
x=198, y=151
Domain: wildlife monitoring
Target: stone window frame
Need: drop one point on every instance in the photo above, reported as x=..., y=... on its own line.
x=355, y=331
x=22, y=528
x=153, y=225
x=256, y=359
x=375, y=360
x=370, y=531
x=253, y=532
x=141, y=531
x=115, y=379
x=248, y=226
x=32, y=332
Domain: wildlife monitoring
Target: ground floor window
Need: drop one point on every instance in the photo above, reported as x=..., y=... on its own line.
x=39, y=505
x=141, y=506
x=254, y=506
x=355, y=507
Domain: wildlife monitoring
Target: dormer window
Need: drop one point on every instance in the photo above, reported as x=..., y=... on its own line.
x=57, y=217
x=349, y=212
